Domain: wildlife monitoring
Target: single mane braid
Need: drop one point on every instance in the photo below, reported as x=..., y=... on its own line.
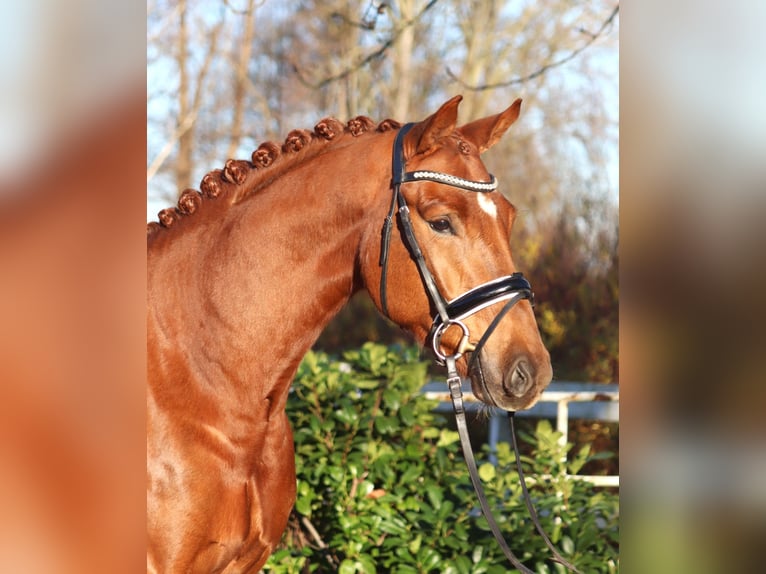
x=189, y=201
x=239, y=178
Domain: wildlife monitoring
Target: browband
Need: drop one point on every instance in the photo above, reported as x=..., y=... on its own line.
x=399, y=176
x=452, y=180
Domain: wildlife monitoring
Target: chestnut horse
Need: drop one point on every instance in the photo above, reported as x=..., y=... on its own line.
x=243, y=277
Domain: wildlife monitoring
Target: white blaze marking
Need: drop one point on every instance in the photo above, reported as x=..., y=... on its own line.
x=486, y=203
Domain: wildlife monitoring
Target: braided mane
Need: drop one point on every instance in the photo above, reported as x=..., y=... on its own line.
x=241, y=178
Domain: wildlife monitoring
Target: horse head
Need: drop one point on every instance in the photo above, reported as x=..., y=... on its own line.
x=450, y=217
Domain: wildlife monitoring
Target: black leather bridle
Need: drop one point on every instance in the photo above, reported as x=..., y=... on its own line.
x=448, y=313
x=510, y=288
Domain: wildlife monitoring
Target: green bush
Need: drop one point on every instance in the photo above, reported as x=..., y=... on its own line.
x=382, y=486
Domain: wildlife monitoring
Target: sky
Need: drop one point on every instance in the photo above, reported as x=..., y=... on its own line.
x=159, y=75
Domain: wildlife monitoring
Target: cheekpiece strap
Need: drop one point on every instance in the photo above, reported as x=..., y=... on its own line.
x=398, y=174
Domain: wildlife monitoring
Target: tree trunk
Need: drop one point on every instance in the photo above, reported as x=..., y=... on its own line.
x=240, y=78
x=403, y=64
x=183, y=164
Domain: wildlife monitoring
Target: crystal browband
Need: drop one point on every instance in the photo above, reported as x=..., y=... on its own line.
x=453, y=180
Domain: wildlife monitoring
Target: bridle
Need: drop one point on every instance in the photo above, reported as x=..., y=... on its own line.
x=510, y=288
x=448, y=313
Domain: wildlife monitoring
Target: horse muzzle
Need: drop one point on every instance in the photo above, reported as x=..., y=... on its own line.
x=512, y=387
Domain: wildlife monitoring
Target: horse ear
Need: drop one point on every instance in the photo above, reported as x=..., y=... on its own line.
x=486, y=132
x=441, y=123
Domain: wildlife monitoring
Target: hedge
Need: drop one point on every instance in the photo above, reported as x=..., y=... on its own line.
x=382, y=486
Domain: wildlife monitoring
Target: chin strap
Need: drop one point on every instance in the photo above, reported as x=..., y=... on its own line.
x=456, y=393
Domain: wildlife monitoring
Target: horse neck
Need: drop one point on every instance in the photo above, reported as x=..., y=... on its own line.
x=243, y=297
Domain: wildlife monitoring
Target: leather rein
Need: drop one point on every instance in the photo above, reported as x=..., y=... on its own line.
x=511, y=289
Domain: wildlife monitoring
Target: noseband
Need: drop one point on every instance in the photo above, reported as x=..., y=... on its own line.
x=511, y=288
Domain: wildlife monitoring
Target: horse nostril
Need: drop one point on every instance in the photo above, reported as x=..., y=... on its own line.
x=520, y=380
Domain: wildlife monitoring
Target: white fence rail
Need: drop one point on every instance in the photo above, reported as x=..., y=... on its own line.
x=561, y=400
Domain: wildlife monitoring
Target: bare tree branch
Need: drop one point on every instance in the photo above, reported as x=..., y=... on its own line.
x=368, y=22
x=183, y=127
x=243, y=11
x=367, y=59
x=240, y=77
x=539, y=72
x=159, y=29
x=318, y=540
x=187, y=121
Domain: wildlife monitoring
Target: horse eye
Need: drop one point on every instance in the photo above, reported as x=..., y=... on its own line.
x=441, y=225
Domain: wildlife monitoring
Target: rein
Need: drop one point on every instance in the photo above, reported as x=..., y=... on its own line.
x=511, y=288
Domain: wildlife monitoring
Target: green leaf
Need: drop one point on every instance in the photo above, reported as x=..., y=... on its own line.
x=395, y=526
x=335, y=473
x=365, y=564
x=407, y=414
x=448, y=437
x=392, y=398
x=487, y=472
x=567, y=545
x=445, y=510
x=428, y=558
x=477, y=554
x=385, y=425
x=435, y=495
x=366, y=384
x=463, y=565
x=410, y=474
x=414, y=546
x=303, y=506
x=347, y=415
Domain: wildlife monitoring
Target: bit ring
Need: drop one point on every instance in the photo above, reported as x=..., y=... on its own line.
x=463, y=346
